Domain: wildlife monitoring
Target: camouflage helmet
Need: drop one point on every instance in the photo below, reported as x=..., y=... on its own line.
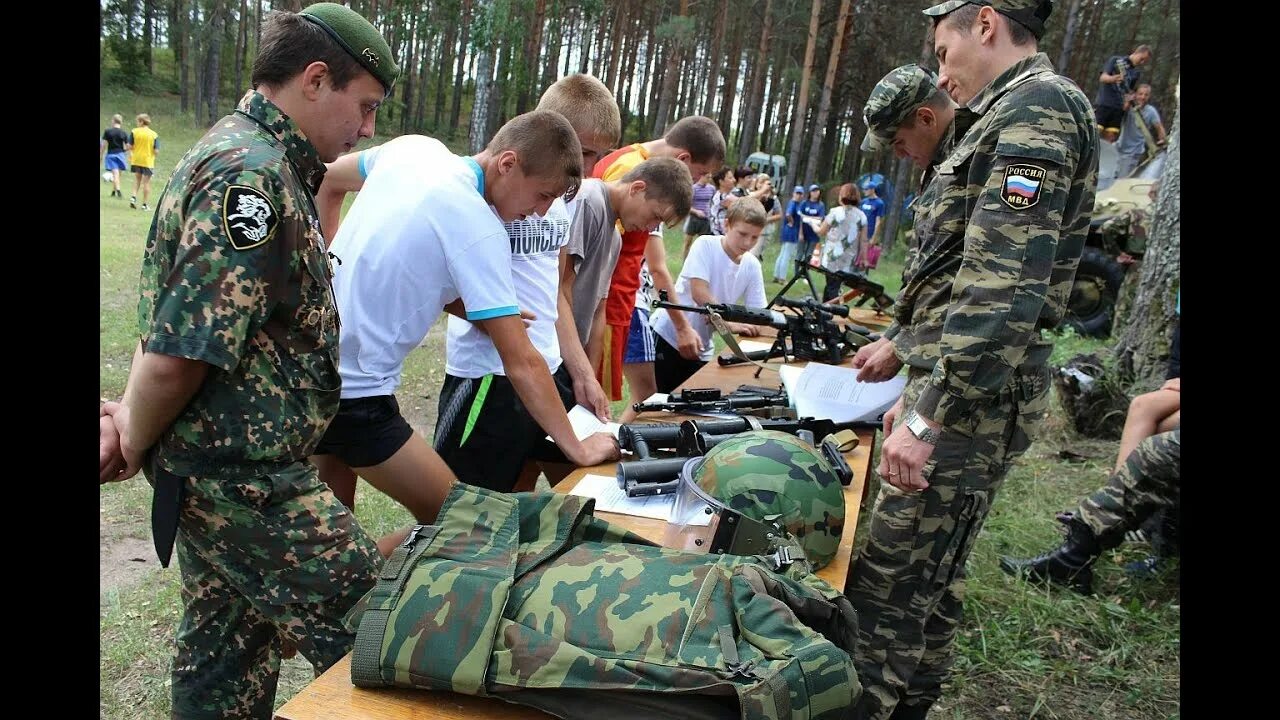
x=771, y=476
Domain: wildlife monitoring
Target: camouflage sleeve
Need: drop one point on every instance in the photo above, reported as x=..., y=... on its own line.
x=999, y=290
x=892, y=331
x=222, y=282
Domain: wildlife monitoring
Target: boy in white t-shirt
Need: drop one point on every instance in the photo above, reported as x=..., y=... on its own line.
x=844, y=233
x=427, y=235
x=719, y=269
x=483, y=430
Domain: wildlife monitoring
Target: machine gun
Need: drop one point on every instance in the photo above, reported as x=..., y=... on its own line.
x=861, y=287
x=810, y=333
x=745, y=398
x=650, y=475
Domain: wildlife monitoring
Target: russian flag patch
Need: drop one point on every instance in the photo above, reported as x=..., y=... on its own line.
x=1022, y=185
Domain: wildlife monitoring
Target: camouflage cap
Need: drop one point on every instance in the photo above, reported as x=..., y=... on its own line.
x=358, y=37
x=892, y=101
x=1031, y=13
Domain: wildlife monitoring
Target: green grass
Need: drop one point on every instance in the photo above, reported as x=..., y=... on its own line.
x=1022, y=651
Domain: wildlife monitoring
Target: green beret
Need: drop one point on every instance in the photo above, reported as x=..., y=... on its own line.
x=358, y=37
x=1031, y=13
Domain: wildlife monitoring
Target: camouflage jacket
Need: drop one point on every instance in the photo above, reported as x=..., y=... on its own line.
x=1126, y=232
x=530, y=598
x=236, y=275
x=1000, y=229
x=925, y=331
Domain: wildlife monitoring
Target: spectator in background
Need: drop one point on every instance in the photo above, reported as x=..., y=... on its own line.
x=789, y=235
x=873, y=207
x=698, y=222
x=725, y=182
x=1141, y=121
x=1119, y=78
x=144, y=144
x=772, y=210
x=844, y=232
x=114, y=139
x=812, y=211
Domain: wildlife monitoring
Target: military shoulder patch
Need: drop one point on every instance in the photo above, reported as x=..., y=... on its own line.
x=1022, y=185
x=248, y=217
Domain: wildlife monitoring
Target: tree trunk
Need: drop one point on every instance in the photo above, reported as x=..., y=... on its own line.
x=197, y=64
x=455, y=112
x=477, y=137
x=893, y=206
x=714, y=68
x=148, y=34
x=257, y=27
x=1142, y=350
x=615, y=55
x=555, y=35
x=733, y=68
x=179, y=28
x=802, y=99
x=411, y=78
x=501, y=84
x=671, y=78
x=213, y=60
x=628, y=66
x=1134, y=25
x=531, y=58
x=572, y=21
x=1069, y=36
x=432, y=47
x=828, y=82
x=1087, y=69
x=242, y=44
x=646, y=86
x=447, y=60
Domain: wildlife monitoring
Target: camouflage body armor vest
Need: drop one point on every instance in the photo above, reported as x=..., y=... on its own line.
x=530, y=598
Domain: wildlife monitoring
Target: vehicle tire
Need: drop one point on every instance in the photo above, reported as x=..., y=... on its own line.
x=1094, y=292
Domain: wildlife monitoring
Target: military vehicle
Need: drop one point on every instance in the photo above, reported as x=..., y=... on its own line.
x=775, y=165
x=1098, y=278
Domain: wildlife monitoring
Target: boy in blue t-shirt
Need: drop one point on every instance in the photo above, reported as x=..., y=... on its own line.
x=873, y=207
x=789, y=236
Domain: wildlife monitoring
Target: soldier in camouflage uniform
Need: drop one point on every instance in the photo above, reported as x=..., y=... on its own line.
x=908, y=112
x=1000, y=229
x=236, y=377
x=1148, y=481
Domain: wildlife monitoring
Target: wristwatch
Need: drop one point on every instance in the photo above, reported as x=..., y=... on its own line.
x=919, y=428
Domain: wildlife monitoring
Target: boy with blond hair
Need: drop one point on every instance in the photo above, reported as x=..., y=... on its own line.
x=427, y=234
x=143, y=146
x=719, y=269
x=697, y=142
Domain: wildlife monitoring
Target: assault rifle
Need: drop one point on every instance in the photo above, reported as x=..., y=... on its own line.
x=809, y=333
x=650, y=475
x=745, y=398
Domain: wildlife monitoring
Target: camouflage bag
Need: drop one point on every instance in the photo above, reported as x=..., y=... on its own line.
x=530, y=598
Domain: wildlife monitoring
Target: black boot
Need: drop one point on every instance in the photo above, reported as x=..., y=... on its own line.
x=1070, y=565
x=910, y=712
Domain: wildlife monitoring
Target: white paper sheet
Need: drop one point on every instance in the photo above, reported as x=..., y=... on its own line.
x=754, y=345
x=610, y=498
x=828, y=391
x=585, y=424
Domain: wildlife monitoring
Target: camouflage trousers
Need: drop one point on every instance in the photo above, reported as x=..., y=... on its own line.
x=1147, y=482
x=260, y=557
x=907, y=583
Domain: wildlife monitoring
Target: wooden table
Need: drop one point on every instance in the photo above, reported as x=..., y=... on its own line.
x=332, y=696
